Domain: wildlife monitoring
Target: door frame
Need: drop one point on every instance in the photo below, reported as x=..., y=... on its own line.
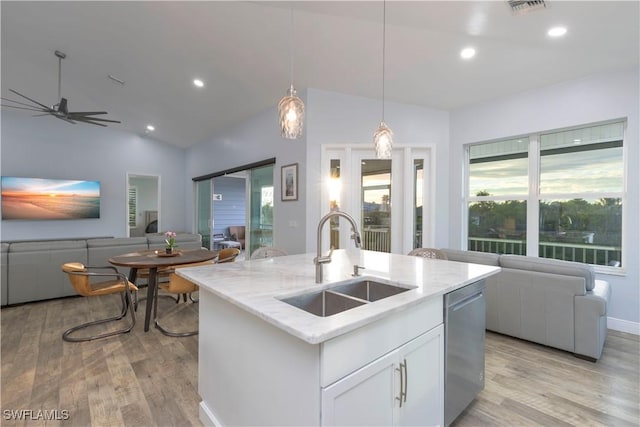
x=158, y=179
x=403, y=157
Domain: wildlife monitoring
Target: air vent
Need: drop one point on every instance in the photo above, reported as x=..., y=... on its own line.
x=525, y=6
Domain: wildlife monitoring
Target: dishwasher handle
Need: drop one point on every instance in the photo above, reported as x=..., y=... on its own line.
x=466, y=301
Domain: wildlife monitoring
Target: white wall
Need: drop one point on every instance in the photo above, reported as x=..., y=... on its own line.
x=44, y=147
x=334, y=118
x=593, y=99
x=254, y=140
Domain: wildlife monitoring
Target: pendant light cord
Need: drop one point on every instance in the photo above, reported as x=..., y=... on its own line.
x=384, y=25
x=291, y=46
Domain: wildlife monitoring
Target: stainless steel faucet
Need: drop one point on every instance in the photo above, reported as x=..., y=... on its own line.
x=319, y=259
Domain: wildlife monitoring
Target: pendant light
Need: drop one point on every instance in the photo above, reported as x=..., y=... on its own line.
x=291, y=108
x=383, y=137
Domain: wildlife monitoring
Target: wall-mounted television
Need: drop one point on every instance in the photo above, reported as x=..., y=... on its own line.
x=42, y=198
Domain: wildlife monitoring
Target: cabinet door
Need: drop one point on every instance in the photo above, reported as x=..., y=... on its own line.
x=422, y=363
x=364, y=398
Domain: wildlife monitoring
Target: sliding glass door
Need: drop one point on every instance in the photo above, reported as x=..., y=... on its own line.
x=204, y=212
x=236, y=198
x=261, y=208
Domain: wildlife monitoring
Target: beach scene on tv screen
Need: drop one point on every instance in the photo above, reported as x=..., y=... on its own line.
x=41, y=198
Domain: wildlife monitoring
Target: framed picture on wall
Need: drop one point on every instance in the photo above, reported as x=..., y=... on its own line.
x=290, y=182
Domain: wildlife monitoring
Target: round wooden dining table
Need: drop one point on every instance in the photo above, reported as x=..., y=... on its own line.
x=154, y=259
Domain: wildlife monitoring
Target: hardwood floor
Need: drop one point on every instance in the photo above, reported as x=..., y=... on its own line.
x=528, y=384
x=148, y=379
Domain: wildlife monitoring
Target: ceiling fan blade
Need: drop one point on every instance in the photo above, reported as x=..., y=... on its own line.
x=64, y=118
x=17, y=102
x=26, y=108
x=32, y=100
x=87, y=113
x=91, y=122
x=96, y=119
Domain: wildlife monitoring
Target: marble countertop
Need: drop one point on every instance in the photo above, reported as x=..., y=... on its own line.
x=258, y=285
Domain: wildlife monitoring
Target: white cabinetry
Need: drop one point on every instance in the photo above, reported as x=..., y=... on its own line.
x=351, y=379
x=403, y=387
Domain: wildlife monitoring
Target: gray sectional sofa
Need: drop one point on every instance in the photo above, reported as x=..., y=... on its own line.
x=556, y=303
x=31, y=270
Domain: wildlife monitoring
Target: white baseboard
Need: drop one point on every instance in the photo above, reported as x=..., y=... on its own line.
x=623, y=325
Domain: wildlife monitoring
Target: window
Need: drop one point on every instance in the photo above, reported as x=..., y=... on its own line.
x=376, y=204
x=418, y=201
x=575, y=210
x=133, y=206
x=498, y=183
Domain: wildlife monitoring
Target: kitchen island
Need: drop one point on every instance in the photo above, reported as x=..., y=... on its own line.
x=263, y=361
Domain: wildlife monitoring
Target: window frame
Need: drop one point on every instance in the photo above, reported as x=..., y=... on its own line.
x=534, y=196
x=132, y=202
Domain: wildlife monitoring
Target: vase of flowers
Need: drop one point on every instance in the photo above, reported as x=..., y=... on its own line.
x=170, y=241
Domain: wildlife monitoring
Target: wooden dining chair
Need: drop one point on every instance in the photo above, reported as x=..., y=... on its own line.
x=80, y=277
x=227, y=255
x=268, y=252
x=176, y=285
x=428, y=253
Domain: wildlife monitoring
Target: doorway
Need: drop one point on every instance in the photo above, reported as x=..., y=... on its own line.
x=391, y=199
x=143, y=192
x=240, y=196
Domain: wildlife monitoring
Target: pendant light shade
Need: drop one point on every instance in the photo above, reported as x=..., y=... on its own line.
x=291, y=108
x=383, y=137
x=383, y=141
x=291, y=115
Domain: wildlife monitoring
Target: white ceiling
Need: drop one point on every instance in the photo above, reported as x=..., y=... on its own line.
x=242, y=52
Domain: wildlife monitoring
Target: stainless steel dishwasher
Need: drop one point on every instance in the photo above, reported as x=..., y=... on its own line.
x=464, y=328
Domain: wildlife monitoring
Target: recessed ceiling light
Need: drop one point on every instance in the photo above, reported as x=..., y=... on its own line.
x=557, y=32
x=577, y=141
x=151, y=128
x=198, y=83
x=467, y=53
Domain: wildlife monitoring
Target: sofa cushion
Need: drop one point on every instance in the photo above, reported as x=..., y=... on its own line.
x=47, y=245
x=473, y=257
x=34, y=271
x=551, y=266
x=117, y=241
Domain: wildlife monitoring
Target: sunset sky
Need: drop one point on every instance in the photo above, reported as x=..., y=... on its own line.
x=12, y=186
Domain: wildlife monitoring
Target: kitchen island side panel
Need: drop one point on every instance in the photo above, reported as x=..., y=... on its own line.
x=252, y=373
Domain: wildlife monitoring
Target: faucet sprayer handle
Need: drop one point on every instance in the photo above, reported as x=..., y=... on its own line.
x=356, y=239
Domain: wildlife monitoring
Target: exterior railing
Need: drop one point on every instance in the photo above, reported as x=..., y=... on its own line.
x=580, y=252
x=498, y=246
x=376, y=239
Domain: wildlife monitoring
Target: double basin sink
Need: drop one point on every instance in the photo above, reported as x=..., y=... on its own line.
x=343, y=296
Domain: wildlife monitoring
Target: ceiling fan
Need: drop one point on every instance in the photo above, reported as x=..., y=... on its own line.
x=61, y=109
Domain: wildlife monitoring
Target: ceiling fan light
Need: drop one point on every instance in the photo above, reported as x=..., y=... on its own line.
x=291, y=115
x=383, y=141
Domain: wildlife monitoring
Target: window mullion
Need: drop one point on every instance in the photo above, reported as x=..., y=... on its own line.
x=533, y=197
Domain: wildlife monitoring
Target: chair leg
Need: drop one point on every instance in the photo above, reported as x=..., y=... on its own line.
x=138, y=300
x=164, y=330
x=127, y=305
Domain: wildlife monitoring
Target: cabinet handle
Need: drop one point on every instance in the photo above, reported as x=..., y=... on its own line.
x=401, y=397
x=403, y=382
x=406, y=379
